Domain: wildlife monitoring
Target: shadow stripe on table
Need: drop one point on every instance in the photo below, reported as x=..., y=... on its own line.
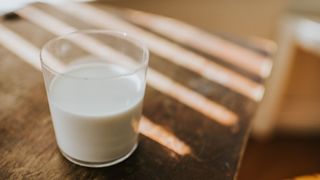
x=191, y=36
x=169, y=51
x=192, y=99
x=30, y=54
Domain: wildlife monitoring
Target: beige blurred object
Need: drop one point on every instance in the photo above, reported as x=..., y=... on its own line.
x=292, y=99
x=300, y=110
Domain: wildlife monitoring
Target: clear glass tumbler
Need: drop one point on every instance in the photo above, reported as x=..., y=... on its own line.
x=95, y=82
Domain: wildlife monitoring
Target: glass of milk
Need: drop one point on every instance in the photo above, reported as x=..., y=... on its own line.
x=95, y=82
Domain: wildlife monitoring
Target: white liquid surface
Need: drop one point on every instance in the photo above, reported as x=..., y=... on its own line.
x=95, y=118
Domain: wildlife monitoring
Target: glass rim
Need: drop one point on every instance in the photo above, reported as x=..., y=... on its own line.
x=115, y=33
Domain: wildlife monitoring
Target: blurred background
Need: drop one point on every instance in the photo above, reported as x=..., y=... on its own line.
x=285, y=138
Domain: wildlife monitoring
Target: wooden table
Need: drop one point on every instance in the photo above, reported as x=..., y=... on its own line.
x=203, y=90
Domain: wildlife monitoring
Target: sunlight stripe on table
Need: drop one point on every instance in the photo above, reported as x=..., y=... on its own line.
x=194, y=100
x=203, y=41
x=266, y=45
x=20, y=47
x=29, y=53
x=163, y=137
x=169, y=51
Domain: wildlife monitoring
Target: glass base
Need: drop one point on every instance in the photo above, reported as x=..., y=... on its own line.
x=99, y=164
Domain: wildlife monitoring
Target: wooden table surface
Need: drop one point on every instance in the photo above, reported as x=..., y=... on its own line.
x=203, y=90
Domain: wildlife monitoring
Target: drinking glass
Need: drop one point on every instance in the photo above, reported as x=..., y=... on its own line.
x=95, y=82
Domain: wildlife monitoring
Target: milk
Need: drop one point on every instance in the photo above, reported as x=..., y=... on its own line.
x=95, y=112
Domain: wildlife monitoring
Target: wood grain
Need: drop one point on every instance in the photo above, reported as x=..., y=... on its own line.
x=27, y=145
